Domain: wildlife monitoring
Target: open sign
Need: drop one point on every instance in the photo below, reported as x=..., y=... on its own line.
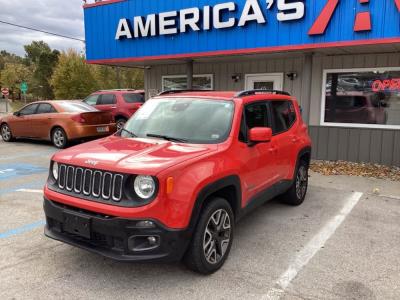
x=387, y=84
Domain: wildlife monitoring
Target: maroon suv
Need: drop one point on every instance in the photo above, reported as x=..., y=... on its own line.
x=121, y=103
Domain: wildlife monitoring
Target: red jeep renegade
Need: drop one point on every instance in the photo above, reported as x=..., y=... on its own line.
x=175, y=180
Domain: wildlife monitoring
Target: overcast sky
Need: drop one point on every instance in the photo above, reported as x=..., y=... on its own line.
x=58, y=16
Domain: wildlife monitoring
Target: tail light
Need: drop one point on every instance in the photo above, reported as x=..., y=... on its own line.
x=79, y=119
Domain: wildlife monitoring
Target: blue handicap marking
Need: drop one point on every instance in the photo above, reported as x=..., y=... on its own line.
x=19, y=169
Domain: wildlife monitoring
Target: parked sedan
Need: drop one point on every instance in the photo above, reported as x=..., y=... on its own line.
x=57, y=121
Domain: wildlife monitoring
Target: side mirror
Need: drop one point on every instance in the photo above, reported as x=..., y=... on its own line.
x=260, y=135
x=17, y=114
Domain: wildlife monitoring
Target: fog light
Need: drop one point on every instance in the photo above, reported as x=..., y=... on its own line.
x=143, y=243
x=145, y=224
x=152, y=240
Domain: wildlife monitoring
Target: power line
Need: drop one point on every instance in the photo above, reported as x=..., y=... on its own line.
x=42, y=31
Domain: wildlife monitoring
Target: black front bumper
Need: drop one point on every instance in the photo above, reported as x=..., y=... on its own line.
x=113, y=237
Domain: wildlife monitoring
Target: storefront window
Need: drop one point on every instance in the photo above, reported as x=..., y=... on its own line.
x=200, y=82
x=362, y=98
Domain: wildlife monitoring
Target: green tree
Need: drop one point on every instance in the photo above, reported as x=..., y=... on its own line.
x=13, y=74
x=43, y=61
x=72, y=77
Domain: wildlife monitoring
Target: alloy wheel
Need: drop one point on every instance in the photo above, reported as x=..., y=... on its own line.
x=217, y=236
x=6, y=133
x=301, y=182
x=58, y=138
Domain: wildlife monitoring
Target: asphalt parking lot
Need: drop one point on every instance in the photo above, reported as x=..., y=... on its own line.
x=343, y=243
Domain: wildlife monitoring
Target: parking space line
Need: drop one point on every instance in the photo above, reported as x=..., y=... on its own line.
x=32, y=185
x=309, y=251
x=30, y=191
x=21, y=229
x=14, y=157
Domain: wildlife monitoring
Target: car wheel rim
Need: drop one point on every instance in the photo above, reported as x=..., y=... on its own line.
x=217, y=236
x=301, y=182
x=58, y=138
x=6, y=133
x=120, y=125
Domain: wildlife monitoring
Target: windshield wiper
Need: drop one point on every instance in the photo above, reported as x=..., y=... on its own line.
x=168, y=138
x=129, y=132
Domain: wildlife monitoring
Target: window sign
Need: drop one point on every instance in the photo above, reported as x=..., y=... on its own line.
x=200, y=82
x=362, y=98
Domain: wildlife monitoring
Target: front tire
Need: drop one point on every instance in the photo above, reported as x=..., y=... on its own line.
x=6, y=133
x=212, y=238
x=297, y=193
x=59, y=138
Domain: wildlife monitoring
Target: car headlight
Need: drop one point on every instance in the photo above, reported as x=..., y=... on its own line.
x=55, y=170
x=145, y=186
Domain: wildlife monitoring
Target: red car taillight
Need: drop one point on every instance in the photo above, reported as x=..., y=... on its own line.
x=79, y=119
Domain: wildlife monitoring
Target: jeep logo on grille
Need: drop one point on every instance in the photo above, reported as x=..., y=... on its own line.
x=91, y=162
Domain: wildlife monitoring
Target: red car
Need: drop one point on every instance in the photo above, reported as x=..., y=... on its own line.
x=175, y=180
x=121, y=103
x=57, y=121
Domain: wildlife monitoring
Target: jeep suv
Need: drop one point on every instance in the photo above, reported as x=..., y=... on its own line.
x=173, y=183
x=121, y=103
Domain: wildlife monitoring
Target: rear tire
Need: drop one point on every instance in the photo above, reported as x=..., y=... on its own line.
x=59, y=138
x=297, y=193
x=120, y=123
x=6, y=133
x=212, y=238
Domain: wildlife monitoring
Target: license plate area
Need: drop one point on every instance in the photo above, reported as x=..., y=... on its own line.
x=102, y=129
x=77, y=224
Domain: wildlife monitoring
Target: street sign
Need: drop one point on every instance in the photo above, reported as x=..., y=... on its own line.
x=5, y=91
x=24, y=87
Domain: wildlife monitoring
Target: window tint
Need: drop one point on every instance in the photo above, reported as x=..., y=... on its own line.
x=92, y=100
x=256, y=115
x=133, y=98
x=29, y=110
x=107, y=99
x=45, y=108
x=284, y=115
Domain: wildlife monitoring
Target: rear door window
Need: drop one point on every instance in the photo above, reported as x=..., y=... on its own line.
x=46, y=108
x=107, y=99
x=133, y=98
x=29, y=110
x=284, y=115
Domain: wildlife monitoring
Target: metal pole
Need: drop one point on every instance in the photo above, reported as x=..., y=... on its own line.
x=6, y=97
x=189, y=74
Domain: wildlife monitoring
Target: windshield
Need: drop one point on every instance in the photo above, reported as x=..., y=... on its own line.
x=76, y=107
x=187, y=120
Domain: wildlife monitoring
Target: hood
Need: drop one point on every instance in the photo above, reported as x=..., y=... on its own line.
x=135, y=156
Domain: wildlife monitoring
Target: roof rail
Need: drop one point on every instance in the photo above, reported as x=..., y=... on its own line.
x=260, y=91
x=118, y=90
x=181, y=91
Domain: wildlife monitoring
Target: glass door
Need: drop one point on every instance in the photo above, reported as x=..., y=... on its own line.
x=272, y=81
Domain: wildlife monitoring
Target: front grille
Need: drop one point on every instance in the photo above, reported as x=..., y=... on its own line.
x=91, y=183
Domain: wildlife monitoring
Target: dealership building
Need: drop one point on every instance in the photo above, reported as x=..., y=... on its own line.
x=339, y=58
